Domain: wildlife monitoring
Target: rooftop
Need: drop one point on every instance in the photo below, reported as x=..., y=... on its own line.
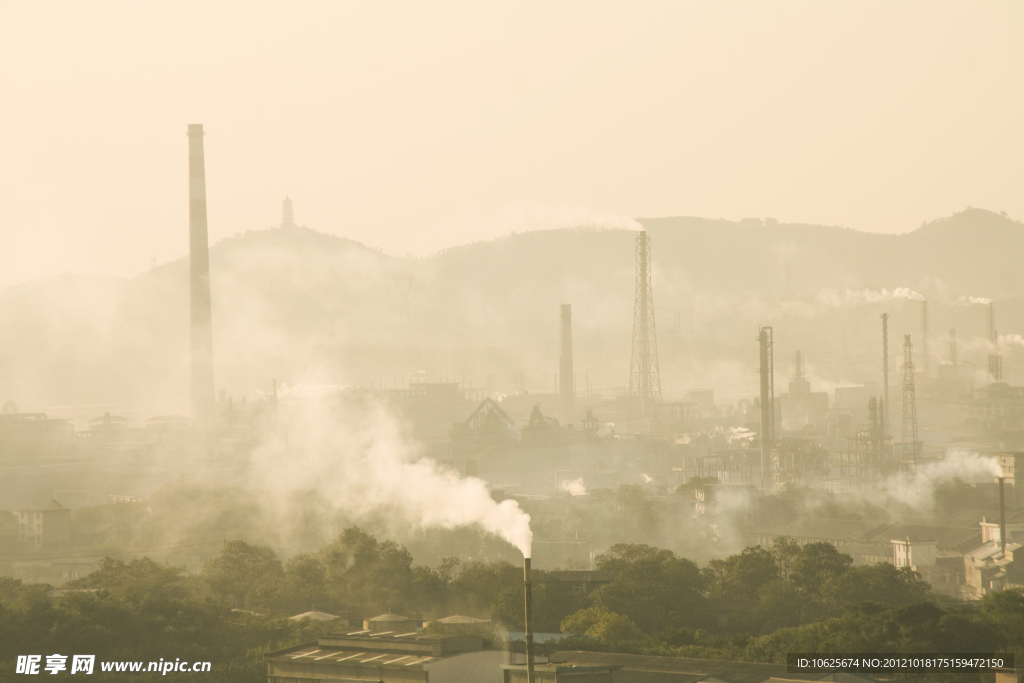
x=651, y=669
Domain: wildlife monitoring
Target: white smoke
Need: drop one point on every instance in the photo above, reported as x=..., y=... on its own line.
x=970, y=301
x=358, y=458
x=917, y=489
x=860, y=297
x=1011, y=340
x=575, y=487
x=740, y=434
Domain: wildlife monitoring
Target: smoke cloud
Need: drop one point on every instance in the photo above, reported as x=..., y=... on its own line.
x=575, y=487
x=359, y=458
x=860, y=297
x=970, y=301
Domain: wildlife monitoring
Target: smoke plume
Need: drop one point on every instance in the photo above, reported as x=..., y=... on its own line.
x=860, y=297
x=357, y=455
x=574, y=487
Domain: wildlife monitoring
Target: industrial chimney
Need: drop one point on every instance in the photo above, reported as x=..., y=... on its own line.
x=199, y=284
x=528, y=591
x=765, y=341
x=1002, y=515
x=566, y=375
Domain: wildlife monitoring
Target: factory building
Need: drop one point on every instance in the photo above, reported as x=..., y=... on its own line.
x=45, y=529
x=387, y=658
x=803, y=409
x=33, y=434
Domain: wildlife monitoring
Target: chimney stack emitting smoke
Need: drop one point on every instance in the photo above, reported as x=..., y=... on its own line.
x=1002, y=515
x=528, y=595
x=885, y=372
x=765, y=339
x=565, y=369
x=201, y=324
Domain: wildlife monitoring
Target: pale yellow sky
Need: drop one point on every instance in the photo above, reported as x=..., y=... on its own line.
x=413, y=126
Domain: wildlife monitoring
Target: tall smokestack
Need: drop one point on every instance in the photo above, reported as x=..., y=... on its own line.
x=199, y=283
x=1002, y=515
x=885, y=372
x=528, y=589
x=566, y=375
x=764, y=339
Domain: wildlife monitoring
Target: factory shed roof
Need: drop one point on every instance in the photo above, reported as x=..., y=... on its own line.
x=316, y=616
x=821, y=528
x=651, y=669
x=584, y=575
x=462, y=619
x=408, y=657
x=946, y=537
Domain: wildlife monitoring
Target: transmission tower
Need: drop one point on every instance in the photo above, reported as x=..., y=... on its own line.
x=910, y=447
x=644, y=376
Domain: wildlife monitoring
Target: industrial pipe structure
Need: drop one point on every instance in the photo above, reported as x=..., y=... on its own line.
x=201, y=328
x=528, y=590
x=765, y=343
x=566, y=374
x=1002, y=517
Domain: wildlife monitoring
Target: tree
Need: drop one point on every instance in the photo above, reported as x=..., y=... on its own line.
x=368, y=574
x=749, y=571
x=815, y=564
x=139, y=581
x=248, y=575
x=880, y=583
x=553, y=601
x=654, y=588
x=785, y=550
x=611, y=629
x=478, y=585
x=304, y=587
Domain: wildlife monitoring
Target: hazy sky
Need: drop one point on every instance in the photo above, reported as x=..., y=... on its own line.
x=415, y=126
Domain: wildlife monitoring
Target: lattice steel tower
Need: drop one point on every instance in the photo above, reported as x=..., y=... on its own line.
x=909, y=448
x=644, y=376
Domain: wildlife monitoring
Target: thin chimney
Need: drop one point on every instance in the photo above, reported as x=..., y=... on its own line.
x=1002, y=515
x=565, y=369
x=528, y=589
x=202, y=389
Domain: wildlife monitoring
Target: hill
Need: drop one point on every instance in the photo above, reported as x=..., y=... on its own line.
x=303, y=306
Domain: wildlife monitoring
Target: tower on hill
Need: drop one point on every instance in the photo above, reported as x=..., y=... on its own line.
x=287, y=214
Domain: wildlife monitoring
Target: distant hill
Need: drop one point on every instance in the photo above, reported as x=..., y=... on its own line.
x=302, y=306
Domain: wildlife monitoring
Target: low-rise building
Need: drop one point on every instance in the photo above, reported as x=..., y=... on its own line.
x=387, y=658
x=45, y=529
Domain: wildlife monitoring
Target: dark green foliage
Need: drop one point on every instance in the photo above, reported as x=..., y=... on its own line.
x=756, y=605
x=248, y=575
x=655, y=588
x=553, y=601
x=817, y=563
x=880, y=583
x=741, y=576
